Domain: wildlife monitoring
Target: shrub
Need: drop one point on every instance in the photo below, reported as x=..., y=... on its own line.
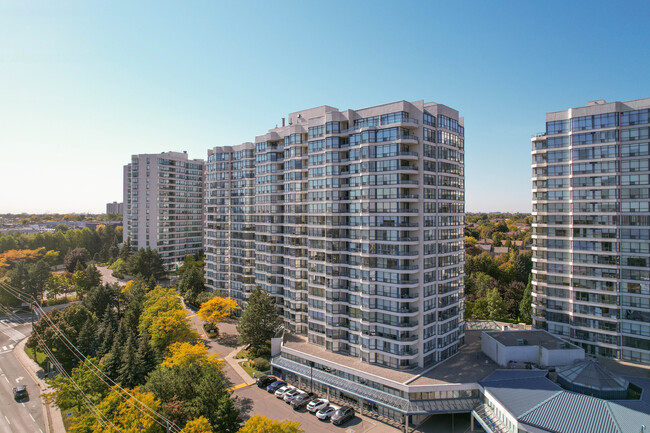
x=261, y=364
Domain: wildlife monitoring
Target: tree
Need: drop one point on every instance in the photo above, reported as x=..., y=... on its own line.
x=217, y=309
x=70, y=322
x=126, y=414
x=525, y=306
x=183, y=353
x=261, y=424
x=198, y=425
x=194, y=390
x=259, y=322
x=157, y=301
x=146, y=263
x=126, y=250
x=68, y=396
x=101, y=297
x=76, y=259
x=497, y=308
x=192, y=283
x=170, y=327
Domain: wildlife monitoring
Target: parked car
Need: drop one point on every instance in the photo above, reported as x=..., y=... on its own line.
x=290, y=395
x=265, y=381
x=275, y=385
x=317, y=405
x=342, y=415
x=325, y=413
x=282, y=391
x=303, y=400
x=20, y=392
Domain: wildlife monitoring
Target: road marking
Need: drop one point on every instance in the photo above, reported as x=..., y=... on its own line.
x=30, y=415
x=7, y=420
x=241, y=385
x=11, y=332
x=4, y=348
x=19, y=379
x=7, y=380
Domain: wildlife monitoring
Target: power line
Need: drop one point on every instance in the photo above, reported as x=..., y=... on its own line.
x=168, y=424
x=57, y=365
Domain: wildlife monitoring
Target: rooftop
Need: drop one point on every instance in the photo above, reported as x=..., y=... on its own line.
x=467, y=366
x=533, y=337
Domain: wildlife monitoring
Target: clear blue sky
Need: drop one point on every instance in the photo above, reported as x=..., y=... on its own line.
x=84, y=85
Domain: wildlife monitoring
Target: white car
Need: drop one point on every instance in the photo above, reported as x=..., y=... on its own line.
x=317, y=405
x=326, y=412
x=290, y=395
x=280, y=392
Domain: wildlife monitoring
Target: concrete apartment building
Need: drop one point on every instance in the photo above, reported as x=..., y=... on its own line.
x=591, y=231
x=353, y=220
x=163, y=206
x=114, y=207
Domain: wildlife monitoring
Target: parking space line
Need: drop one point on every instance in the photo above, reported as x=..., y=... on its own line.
x=241, y=385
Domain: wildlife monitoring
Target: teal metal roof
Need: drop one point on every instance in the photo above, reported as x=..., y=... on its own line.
x=569, y=412
x=521, y=394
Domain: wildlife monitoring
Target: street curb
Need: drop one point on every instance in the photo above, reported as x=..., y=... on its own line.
x=51, y=426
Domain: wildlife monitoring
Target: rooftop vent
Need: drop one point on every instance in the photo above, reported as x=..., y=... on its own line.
x=562, y=345
x=597, y=102
x=522, y=342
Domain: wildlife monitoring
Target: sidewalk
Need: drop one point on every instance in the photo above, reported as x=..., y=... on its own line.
x=235, y=374
x=234, y=363
x=51, y=413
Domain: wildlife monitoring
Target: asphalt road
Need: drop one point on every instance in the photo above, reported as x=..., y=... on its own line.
x=17, y=417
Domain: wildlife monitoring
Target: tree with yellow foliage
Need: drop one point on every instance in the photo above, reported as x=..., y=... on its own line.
x=198, y=425
x=183, y=353
x=261, y=424
x=217, y=309
x=170, y=327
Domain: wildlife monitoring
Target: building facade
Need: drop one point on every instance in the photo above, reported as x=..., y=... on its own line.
x=357, y=219
x=163, y=206
x=229, y=220
x=114, y=207
x=591, y=231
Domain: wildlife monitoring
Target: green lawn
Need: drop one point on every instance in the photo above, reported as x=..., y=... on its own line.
x=248, y=368
x=243, y=354
x=40, y=356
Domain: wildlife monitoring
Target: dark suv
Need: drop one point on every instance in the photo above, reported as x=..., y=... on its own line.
x=275, y=386
x=20, y=392
x=342, y=415
x=263, y=382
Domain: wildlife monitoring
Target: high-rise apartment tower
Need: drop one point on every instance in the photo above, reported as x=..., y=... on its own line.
x=163, y=206
x=591, y=229
x=353, y=221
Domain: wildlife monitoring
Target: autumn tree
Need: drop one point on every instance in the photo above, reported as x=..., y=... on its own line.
x=184, y=353
x=170, y=327
x=217, y=309
x=262, y=424
x=198, y=425
x=76, y=259
x=259, y=323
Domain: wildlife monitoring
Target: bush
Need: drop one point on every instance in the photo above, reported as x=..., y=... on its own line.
x=261, y=364
x=211, y=330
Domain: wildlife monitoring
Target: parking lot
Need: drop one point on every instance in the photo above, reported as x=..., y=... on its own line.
x=256, y=401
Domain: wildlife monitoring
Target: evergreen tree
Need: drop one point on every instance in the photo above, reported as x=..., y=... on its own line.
x=87, y=338
x=106, y=332
x=259, y=322
x=126, y=250
x=127, y=372
x=145, y=359
x=497, y=308
x=525, y=307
